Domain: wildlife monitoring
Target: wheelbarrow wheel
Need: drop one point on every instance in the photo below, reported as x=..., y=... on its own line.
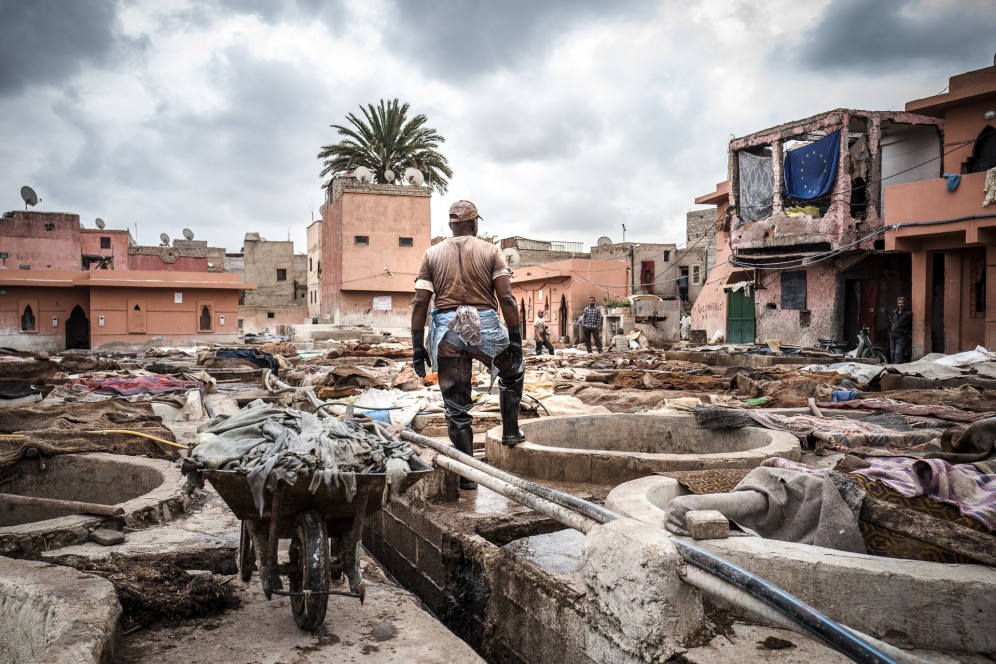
x=247, y=554
x=309, y=570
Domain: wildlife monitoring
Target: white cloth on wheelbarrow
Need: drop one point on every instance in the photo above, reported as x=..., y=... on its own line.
x=280, y=444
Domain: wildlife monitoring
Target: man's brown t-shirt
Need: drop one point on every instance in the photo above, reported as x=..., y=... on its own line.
x=461, y=271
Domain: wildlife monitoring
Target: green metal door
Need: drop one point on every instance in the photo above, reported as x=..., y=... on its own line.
x=739, y=317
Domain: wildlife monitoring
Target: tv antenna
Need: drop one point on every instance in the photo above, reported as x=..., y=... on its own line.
x=29, y=196
x=187, y=233
x=100, y=223
x=389, y=176
x=164, y=239
x=414, y=177
x=363, y=174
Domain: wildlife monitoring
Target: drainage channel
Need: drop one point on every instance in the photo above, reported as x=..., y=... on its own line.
x=706, y=571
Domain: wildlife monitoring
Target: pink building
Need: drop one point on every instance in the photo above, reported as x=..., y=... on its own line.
x=949, y=233
x=560, y=290
x=373, y=237
x=54, y=296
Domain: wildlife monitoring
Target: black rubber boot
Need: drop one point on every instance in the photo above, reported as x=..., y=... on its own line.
x=455, y=388
x=510, y=395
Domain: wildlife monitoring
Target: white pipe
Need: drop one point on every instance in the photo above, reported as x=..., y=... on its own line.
x=741, y=599
x=556, y=512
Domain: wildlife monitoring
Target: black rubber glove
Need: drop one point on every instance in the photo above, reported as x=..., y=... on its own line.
x=420, y=356
x=515, y=341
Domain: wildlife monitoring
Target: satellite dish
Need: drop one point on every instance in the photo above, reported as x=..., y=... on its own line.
x=512, y=257
x=164, y=239
x=603, y=241
x=413, y=176
x=100, y=223
x=389, y=175
x=29, y=196
x=187, y=233
x=363, y=174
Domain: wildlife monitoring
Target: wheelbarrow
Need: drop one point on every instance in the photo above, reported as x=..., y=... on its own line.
x=324, y=529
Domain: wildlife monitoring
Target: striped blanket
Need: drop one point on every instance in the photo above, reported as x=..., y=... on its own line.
x=962, y=485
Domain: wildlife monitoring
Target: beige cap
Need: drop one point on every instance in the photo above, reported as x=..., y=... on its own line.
x=464, y=211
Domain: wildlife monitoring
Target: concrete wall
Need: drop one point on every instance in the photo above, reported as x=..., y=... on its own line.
x=273, y=320
x=163, y=315
x=46, y=303
x=700, y=231
x=353, y=273
x=668, y=261
x=793, y=326
x=90, y=241
x=314, y=240
x=41, y=240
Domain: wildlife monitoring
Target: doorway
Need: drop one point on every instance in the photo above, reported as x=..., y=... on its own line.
x=740, y=317
x=937, y=305
x=563, y=316
x=77, y=329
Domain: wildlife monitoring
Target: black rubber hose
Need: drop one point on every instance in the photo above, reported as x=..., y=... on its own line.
x=815, y=623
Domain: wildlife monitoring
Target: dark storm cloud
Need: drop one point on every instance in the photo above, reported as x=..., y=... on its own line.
x=48, y=41
x=459, y=39
x=897, y=36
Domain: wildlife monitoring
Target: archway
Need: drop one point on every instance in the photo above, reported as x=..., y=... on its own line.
x=77, y=329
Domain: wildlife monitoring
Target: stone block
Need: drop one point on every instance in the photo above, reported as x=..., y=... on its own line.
x=107, y=537
x=707, y=524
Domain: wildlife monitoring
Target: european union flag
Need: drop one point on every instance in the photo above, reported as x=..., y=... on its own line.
x=810, y=170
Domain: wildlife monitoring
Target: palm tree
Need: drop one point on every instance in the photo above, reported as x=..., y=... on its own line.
x=386, y=139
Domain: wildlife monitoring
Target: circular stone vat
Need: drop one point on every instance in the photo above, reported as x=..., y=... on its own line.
x=618, y=447
x=909, y=603
x=148, y=490
x=51, y=614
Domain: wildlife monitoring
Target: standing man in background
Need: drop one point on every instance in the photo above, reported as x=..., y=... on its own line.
x=591, y=325
x=470, y=281
x=685, y=326
x=542, y=334
x=899, y=335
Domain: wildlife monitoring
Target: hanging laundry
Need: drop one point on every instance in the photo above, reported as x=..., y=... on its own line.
x=756, y=186
x=954, y=179
x=810, y=170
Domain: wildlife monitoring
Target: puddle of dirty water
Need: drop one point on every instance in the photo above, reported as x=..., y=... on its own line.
x=556, y=553
x=486, y=501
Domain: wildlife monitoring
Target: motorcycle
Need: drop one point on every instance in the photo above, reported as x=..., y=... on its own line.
x=866, y=349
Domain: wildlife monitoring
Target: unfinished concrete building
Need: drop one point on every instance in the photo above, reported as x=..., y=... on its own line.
x=658, y=269
x=805, y=224
x=281, y=295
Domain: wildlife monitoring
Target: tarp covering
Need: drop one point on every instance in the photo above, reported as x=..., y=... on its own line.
x=810, y=170
x=756, y=186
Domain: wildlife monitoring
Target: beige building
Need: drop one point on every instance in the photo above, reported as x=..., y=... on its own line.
x=658, y=269
x=373, y=238
x=281, y=298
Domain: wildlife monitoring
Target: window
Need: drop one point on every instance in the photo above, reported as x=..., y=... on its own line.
x=28, y=320
x=310, y=266
x=361, y=239
x=696, y=277
x=204, y=322
x=667, y=255
x=977, y=295
x=50, y=227
x=793, y=290
x=406, y=242
x=281, y=274
x=270, y=314
x=105, y=243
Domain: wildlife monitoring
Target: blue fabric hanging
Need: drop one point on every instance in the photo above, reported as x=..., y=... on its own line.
x=811, y=169
x=953, y=181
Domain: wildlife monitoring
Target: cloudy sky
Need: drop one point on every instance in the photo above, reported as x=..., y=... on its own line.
x=563, y=119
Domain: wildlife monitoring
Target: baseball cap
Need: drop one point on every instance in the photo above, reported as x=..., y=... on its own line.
x=464, y=211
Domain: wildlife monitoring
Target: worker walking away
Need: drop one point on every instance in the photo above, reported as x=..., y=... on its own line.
x=899, y=335
x=542, y=334
x=470, y=280
x=685, y=326
x=591, y=325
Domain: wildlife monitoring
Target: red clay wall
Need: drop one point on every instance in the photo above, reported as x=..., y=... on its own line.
x=43, y=240
x=46, y=303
